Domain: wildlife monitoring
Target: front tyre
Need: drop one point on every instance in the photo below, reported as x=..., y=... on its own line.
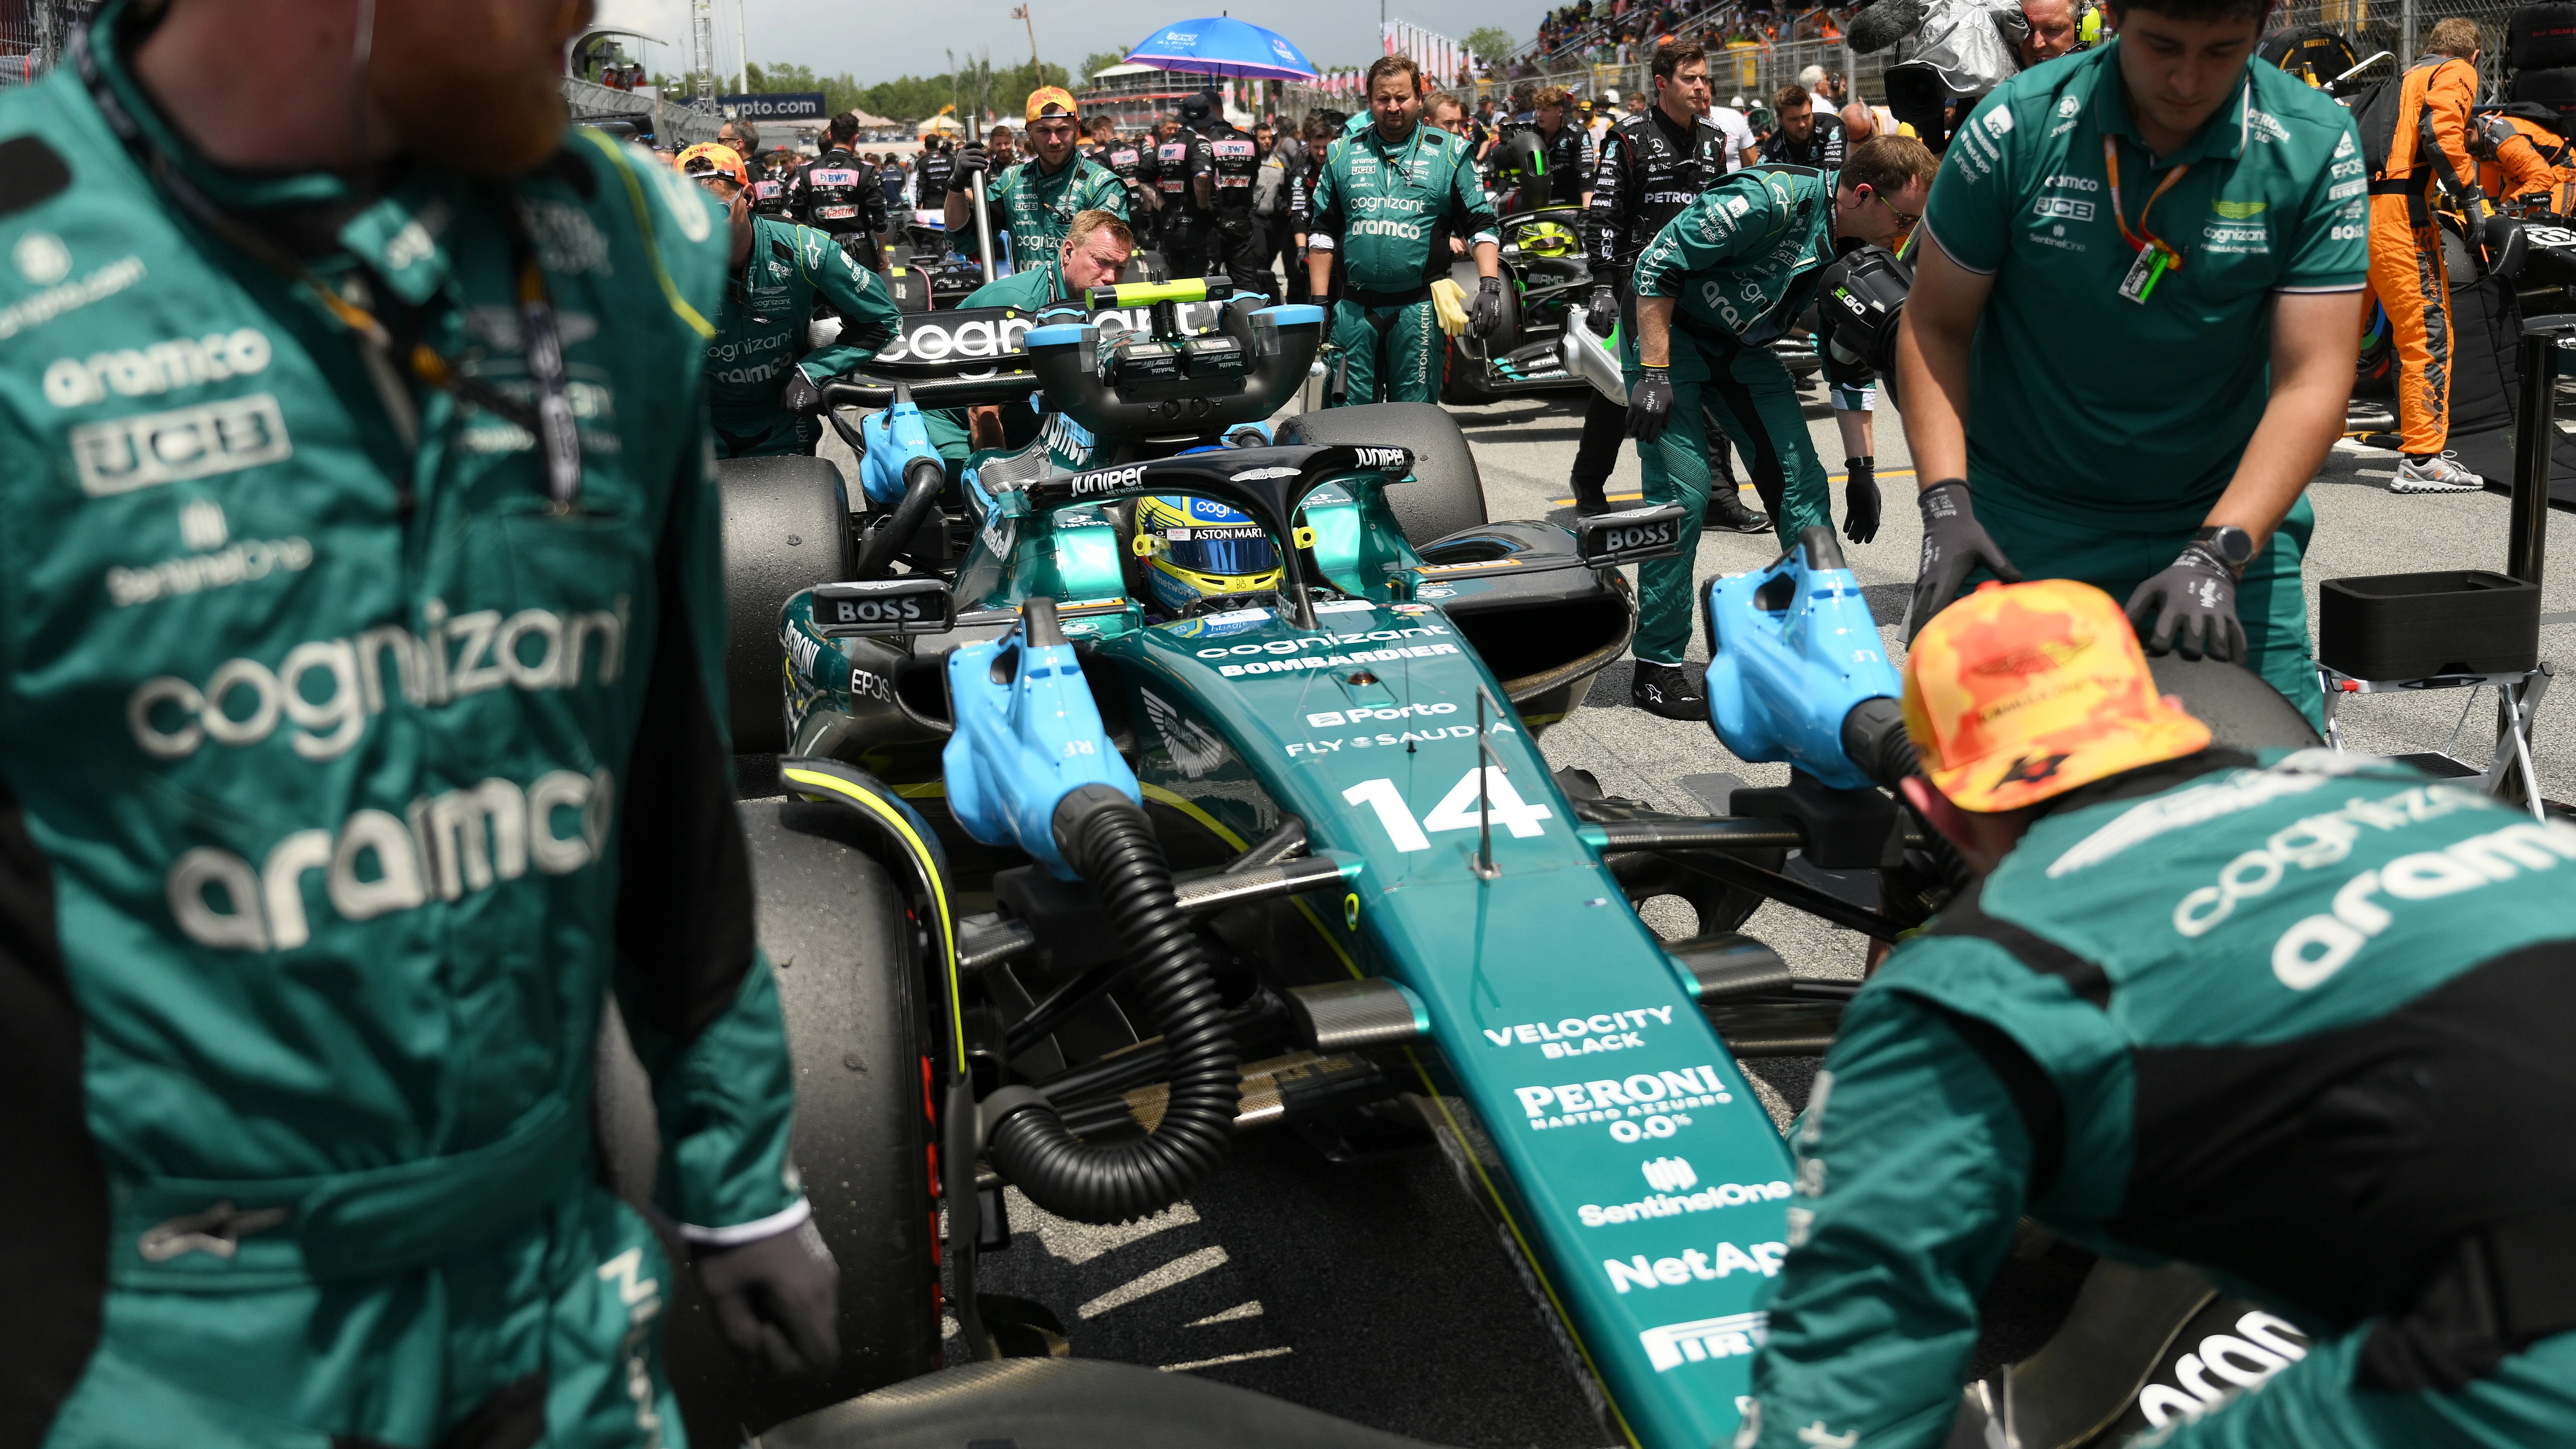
x=1446, y=493
x=786, y=528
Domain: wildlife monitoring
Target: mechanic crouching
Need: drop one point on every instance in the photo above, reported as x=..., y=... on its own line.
x=1715, y=288
x=763, y=397
x=2297, y=1020
x=1092, y=253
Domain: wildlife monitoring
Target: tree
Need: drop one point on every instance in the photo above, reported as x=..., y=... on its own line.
x=1100, y=60
x=1490, y=42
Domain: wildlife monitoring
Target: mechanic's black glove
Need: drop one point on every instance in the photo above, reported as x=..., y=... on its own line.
x=1955, y=545
x=1650, y=404
x=972, y=160
x=1603, y=312
x=1486, y=312
x=777, y=1300
x=800, y=395
x=2190, y=607
x=1861, y=501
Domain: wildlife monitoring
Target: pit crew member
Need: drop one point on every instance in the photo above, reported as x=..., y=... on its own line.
x=762, y=396
x=1650, y=167
x=1092, y=254
x=2292, y=1019
x=1564, y=149
x=1386, y=201
x=2522, y=159
x=1132, y=162
x=1804, y=136
x=361, y=726
x=839, y=193
x=2408, y=276
x=1035, y=199
x=2196, y=354
x=1718, y=285
x=1238, y=242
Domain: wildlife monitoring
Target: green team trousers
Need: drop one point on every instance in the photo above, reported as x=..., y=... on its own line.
x=1390, y=354
x=1748, y=395
x=776, y=433
x=552, y=1331
x=2269, y=601
x=2528, y=1400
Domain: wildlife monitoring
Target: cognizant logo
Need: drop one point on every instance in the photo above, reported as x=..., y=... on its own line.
x=244, y=700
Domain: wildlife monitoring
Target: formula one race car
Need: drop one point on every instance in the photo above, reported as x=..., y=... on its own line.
x=1542, y=261
x=1176, y=776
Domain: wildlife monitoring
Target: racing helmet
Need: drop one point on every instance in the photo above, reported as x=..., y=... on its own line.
x=1197, y=549
x=1544, y=238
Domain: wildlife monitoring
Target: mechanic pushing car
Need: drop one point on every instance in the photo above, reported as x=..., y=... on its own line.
x=1650, y=167
x=837, y=192
x=1386, y=202
x=2295, y=1020
x=2131, y=338
x=1036, y=198
x=1718, y=285
x=361, y=725
x=2408, y=276
x=779, y=269
x=1092, y=254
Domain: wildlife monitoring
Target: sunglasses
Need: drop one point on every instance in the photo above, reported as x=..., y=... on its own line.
x=1904, y=219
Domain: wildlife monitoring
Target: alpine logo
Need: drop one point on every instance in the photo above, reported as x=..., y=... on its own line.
x=1702, y=1339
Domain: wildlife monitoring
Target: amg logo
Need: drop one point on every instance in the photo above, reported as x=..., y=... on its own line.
x=1702, y=1339
x=124, y=454
x=1108, y=480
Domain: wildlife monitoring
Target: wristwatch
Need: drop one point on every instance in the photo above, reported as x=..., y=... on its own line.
x=2233, y=546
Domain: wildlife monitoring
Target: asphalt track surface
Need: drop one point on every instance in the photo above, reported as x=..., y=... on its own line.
x=1376, y=1291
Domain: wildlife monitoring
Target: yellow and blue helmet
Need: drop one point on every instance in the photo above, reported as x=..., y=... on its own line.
x=1198, y=549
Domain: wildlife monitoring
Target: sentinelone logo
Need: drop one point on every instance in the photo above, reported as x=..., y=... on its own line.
x=1702, y=1339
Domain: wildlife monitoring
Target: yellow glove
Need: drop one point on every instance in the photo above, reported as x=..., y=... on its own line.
x=1450, y=301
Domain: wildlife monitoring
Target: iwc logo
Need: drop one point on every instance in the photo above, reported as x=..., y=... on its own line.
x=42, y=258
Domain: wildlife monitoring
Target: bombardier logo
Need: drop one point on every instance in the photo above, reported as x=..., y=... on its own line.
x=1107, y=480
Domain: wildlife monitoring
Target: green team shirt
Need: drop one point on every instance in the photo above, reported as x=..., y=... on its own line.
x=2193, y=963
x=2082, y=403
x=1038, y=206
x=1028, y=289
x=1386, y=204
x=761, y=328
x=1741, y=260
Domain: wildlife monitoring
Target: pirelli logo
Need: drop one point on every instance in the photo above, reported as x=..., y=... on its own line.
x=1733, y=1336
x=121, y=455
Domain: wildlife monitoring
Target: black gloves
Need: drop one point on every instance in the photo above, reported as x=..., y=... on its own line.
x=777, y=1300
x=1486, y=312
x=800, y=395
x=1860, y=500
x=1955, y=545
x=972, y=160
x=2191, y=607
x=1650, y=404
x=1603, y=312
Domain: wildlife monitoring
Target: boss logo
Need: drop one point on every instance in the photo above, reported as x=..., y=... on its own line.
x=883, y=606
x=1630, y=536
x=871, y=611
x=1106, y=480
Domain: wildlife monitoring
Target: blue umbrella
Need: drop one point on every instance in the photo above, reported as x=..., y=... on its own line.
x=1221, y=45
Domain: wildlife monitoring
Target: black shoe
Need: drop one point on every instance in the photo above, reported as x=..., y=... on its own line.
x=1726, y=512
x=1669, y=690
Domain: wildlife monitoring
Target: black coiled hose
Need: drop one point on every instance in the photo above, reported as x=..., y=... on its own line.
x=1106, y=839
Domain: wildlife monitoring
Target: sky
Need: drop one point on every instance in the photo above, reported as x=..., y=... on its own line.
x=834, y=36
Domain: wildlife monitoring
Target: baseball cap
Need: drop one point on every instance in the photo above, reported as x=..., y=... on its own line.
x=2024, y=691
x=711, y=156
x=1046, y=98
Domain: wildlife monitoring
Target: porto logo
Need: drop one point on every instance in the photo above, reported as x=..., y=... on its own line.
x=1670, y=1174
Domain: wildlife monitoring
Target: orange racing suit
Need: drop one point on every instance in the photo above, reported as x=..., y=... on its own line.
x=2522, y=157
x=2406, y=271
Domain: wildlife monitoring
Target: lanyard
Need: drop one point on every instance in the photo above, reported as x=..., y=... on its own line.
x=550, y=421
x=2165, y=256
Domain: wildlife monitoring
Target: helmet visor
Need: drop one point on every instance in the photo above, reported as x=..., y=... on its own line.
x=1226, y=551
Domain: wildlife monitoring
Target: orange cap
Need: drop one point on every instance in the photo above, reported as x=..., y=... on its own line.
x=1046, y=96
x=2020, y=692
x=717, y=156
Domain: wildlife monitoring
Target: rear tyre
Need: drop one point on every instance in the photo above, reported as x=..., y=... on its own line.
x=2539, y=37
x=859, y=1031
x=1446, y=493
x=2555, y=89
x=786, y=527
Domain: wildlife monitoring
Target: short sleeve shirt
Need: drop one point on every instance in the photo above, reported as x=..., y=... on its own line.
x=2082, y=403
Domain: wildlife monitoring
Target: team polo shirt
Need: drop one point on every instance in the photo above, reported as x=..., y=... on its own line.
x=2082, y=404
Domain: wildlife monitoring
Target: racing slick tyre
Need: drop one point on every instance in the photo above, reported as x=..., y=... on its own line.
x=859, y=1029
x=2541, y=37
x=1445, y=495
x=910, y=287
x=1507, y=334
x=1463, y=384
x=2555, y=89
x=786, y=527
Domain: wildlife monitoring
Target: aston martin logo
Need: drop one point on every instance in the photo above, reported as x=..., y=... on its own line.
x=1194, y=750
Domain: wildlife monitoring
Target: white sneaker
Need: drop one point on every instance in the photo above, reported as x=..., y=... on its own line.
x=2439, y=474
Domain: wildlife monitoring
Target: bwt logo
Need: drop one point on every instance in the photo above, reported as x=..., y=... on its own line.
x=1670, y=1174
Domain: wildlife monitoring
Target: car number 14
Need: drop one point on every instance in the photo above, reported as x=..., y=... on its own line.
x=1456, y=810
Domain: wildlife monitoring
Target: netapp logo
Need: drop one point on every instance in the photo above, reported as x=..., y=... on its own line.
x=1107, y=480
x=1702, y=1339
x=1762, y=1258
